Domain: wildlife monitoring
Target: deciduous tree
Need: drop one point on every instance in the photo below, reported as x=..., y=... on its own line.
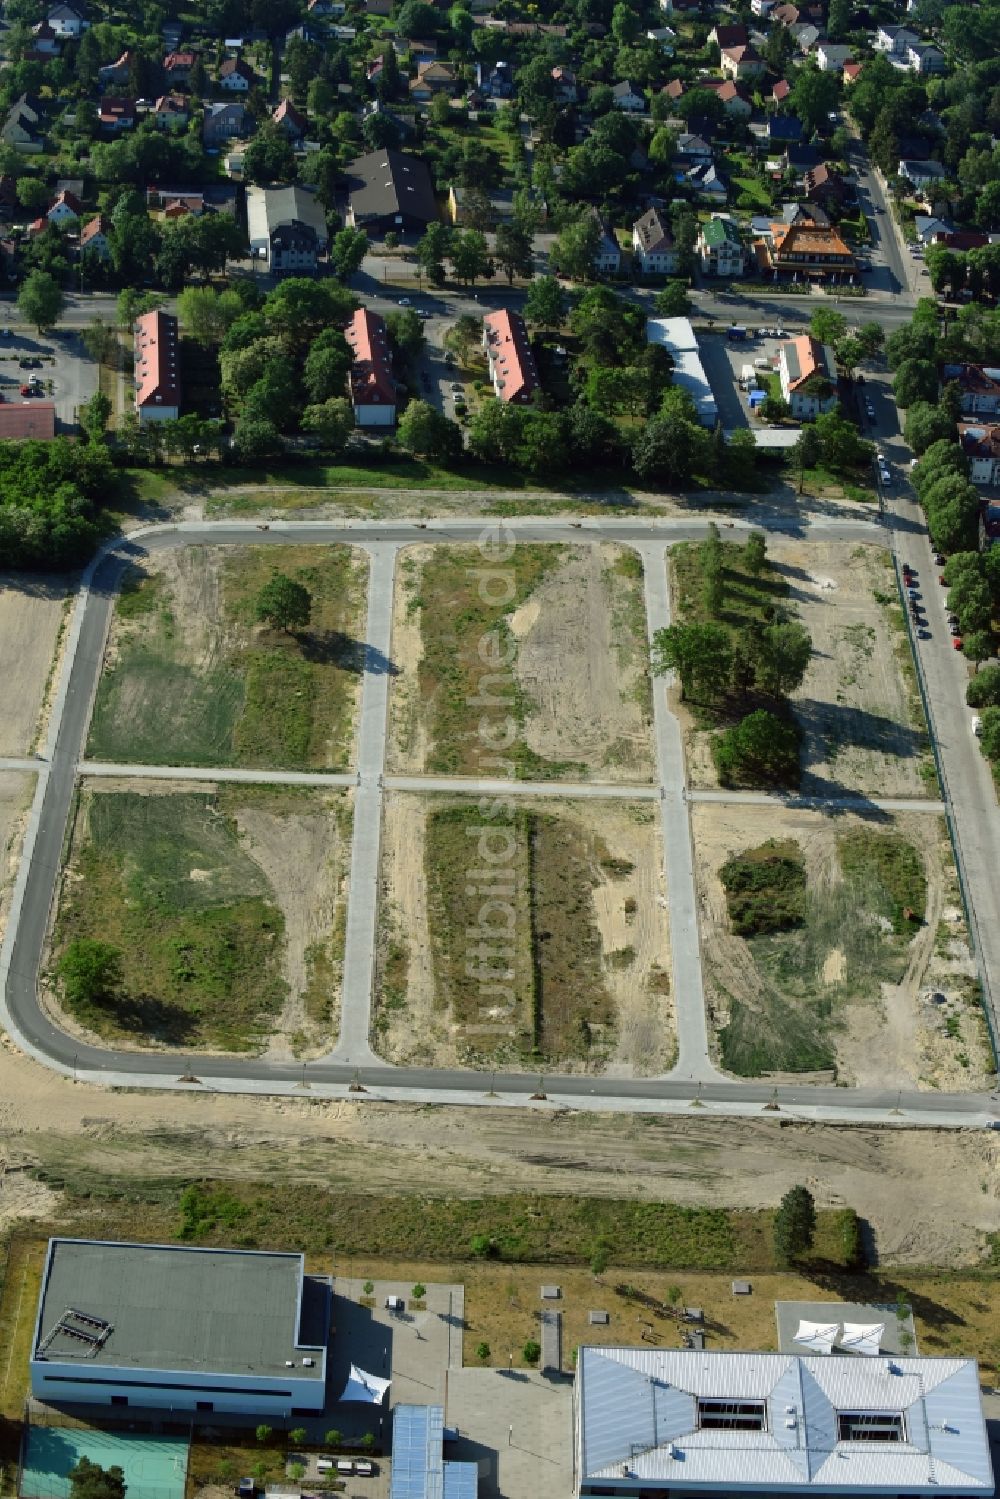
x=284, y=603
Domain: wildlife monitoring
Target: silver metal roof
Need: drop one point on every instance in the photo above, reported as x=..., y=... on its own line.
x=638, y=1418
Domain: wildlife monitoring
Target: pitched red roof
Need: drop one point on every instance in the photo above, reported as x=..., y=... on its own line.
x=371, y=373
x=98, y=225
x=511, y=359
x=178, y=60
x=157, y=360
x=35, y=419
x=781, y=90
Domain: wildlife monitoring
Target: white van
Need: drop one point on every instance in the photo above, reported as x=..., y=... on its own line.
x=363, y=1468
x=324, y=1465
x=345, y=1467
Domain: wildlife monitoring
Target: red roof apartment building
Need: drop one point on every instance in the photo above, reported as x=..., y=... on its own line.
x=512, y=364
x=373, y=389
x=157, y=368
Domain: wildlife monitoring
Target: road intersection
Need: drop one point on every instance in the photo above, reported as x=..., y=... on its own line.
x=352, y=1068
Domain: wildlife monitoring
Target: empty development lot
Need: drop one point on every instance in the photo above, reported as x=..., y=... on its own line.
x=557, y=646
x=226, y=905
x=841, y=950
x=17, y=787
x=858, y=709
x=191, y=679
x=557, y=955
x=32, y=611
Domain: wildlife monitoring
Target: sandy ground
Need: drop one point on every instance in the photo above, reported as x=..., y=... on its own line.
x=629, y=912
x=580, y=664
x=897, y=1031
x=854, y=705
x=930, y=1196
x=16, y=791
x=32, y=610
x=305, y=855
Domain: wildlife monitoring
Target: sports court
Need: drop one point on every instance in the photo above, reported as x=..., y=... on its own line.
x=154, y=1467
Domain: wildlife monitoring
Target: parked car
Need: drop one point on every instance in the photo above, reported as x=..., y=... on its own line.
x=976, y=725
x=958, y=643
x=405, y=302
x=939, y=559
x=870, y=411
x=955, y=628
x=27, y=390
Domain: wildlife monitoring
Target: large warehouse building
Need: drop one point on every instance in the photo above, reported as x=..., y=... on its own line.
x=679, y=1422
x=677, y=336
x=179, y=1328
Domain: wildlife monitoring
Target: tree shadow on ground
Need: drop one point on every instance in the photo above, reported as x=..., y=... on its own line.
x=838, y=724
x=159, y=1019
x=334, y=648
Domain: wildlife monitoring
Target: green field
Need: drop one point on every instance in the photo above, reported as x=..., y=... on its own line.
x=561, y=1006
x=192, y=680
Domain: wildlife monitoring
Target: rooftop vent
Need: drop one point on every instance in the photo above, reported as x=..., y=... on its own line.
x=308, y=1362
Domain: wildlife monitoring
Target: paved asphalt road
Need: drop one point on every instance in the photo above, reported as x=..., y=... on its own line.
x=43, y=851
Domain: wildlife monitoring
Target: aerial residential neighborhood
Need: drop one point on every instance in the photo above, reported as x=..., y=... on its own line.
x=500, y=648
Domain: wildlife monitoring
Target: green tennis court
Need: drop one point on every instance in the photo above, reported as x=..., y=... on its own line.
x=154, y=1467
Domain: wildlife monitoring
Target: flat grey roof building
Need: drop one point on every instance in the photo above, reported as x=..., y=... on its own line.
x=671, y=1422
x=233, y=1313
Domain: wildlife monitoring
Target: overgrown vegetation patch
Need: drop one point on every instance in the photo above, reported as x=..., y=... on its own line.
x=536, y=983
x=765, y=888
x=164, y=882
x=193, y=679
x=892, y=870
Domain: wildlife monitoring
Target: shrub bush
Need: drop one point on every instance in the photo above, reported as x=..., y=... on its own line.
x=765, y=888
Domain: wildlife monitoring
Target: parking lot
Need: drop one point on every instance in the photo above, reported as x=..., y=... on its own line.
x=724, y=362
x=60, y=364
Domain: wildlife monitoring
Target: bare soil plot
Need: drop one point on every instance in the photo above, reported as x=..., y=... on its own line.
x=863, y=726
x=538, y=938
x=32, y=612
x=226, y=905
x=16, y=791
x=534, y=666
x=190, y=679
x=858, y=991
x=858, y=708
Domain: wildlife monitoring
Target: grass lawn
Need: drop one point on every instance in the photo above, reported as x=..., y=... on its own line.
x=752, y=187
x=824, y=482
x=192, y=680
x=22, y=1278
x=166, y=880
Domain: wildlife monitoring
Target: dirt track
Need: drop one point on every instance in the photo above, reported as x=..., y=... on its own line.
x=930, y=1196
x=16, y=791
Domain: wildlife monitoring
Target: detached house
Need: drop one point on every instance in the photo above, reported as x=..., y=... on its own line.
x=64, y=207
x=831, y=57
x=691, y=151
x=236, y=76
x=226, y=122
x=981, y=446
x=94, y=238
x=719, y=247
x=743, y=62
x=808, y=374
x=44, y=42
x=67, y=20
x=115, y=74
x=115, y=114
x=894, y=41
x=978, y=386
x=629, y=96
x=289, y=120
x=433, y=78
x=177, y=66
x=732, y=96
x=157, y=368
x=653, y=244
x=608, y=255
x=566, y=91
x=925, y=59
x=373, y=389
x=734, y=35
x=512, y=364
x=170, y=109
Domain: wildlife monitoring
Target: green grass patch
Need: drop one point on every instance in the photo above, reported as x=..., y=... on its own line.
x=549, y=1002
x=895, y=865
x=752, y=187
x=166, y=880
x=459, y=682
x=193, y=681
x=765, y=888
x=519, y=1227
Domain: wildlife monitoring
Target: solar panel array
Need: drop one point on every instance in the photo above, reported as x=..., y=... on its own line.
x=417, y=1452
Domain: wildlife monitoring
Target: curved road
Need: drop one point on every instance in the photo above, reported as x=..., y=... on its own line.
x=33, y=896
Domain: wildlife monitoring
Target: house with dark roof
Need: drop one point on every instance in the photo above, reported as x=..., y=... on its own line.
x=115, y=114
x=67, y=20
x=373, y=389
x=608, y=253
x=157, y=368
x=781, y=129
x=629, y=96
x=980, y=442
x=226, y=120
x=692, y=150
x=511, y=362
x=978, y=388
x=823, y=184
x=286, y=227
x=64, y=207
x=236, y=76
x=390, y=190
x=734, y=34
x=653, y=244
x=170, y=109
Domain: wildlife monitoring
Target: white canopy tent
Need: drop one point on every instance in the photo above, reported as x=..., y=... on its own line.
x=363, y=1388
x=863, y=1337
x=818, y=1337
